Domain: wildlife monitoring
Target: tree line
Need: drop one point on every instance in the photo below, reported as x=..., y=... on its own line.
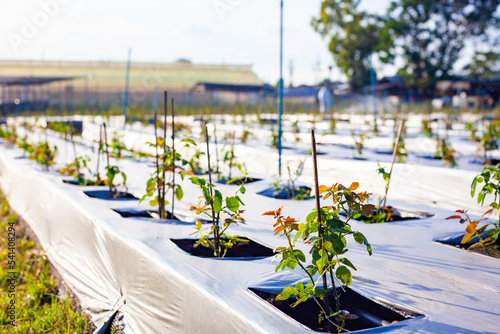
x=424, y=38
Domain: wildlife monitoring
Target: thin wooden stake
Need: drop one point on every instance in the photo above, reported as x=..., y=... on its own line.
x=216, y=228
x=160, y=210
x=173, y=159
x=216, y=151
x=394, y=151
x=99, y=153
x=164, y=183
x=107, y=154
x=318, y=213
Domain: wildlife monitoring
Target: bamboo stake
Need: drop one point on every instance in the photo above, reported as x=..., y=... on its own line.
x=394, y=151
x=99, y=154
x=107, y=154
x=318, y=213
x=160, y=210
x=216, y=151
x=74, y=150
x=164, y=190
x=216, y=228
x=173, y=159
x=232, y=157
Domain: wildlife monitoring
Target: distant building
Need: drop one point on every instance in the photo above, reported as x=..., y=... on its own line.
x=390, y=86
x=28, y=94
x=227, y=93
x=101, y=83
x=477, y=92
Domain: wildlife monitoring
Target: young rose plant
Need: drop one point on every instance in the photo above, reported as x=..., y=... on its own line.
x=487, y=234
x=158, y=185
x=213, y=205
x=327, y=238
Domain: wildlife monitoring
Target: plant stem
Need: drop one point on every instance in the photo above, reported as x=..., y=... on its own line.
x=160, y=210
x=99, y=148
x=173, y=158
x=107, y=156
x=232, y=157
x=320, y=228
x=74, y=150
x=216, y=151
x=163, y=179
x=215, y=221
x=394, y=151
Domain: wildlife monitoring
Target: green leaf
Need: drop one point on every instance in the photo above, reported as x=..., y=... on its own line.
x=298, y=254
x=232, y=203
x=179, y=193
x=198, y=180
x=347, y=263
x=473, y=186
x=206, y=193
x=217, y=205
x=360, y=239
x=344, y=275
x=312, y=216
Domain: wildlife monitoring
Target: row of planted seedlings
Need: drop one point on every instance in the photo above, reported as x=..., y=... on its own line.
x=486, y=141
x=326, y=230
x=337, y=307
x=482, y=238
x=218, y=242
x=443, y=148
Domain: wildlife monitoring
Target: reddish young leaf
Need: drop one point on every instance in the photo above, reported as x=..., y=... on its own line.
x=489, y=211
x=454, y=217
x=269, y=213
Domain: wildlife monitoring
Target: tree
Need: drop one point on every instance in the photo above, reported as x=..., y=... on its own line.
x=484, y=65
x=353, y=36
x=430, y=35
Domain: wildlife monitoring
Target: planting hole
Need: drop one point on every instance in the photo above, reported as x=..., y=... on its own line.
x=238, y=182
x=456, y=238
x=391, y=214
x=110, y=196
x=298, y=193
x=249, y=249
x=370, y=313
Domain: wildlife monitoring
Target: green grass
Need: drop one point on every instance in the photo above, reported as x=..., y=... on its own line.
x=38, y=308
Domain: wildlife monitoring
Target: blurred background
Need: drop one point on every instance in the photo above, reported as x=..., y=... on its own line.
x=74, y=55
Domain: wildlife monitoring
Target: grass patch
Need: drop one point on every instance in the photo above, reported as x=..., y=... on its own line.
x=38, y=307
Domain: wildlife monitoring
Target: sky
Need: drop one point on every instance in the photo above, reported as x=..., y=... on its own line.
x=203, y=31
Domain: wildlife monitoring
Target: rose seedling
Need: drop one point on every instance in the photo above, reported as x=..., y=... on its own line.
x=327, y=238
x=487, y=234
x=215, y=207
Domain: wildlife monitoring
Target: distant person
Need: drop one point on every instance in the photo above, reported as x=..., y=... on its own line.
x=325, y=99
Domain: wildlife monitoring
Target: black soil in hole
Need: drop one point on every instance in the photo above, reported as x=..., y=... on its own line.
x=249, y=249
x=370, y=314
x=456, y=240
x=299, y=193
x=140, y=213
x=384, y=152
x=85, y=184
x=243, y=180
x=395, y=214
x=110, y=196
x=493, y=162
